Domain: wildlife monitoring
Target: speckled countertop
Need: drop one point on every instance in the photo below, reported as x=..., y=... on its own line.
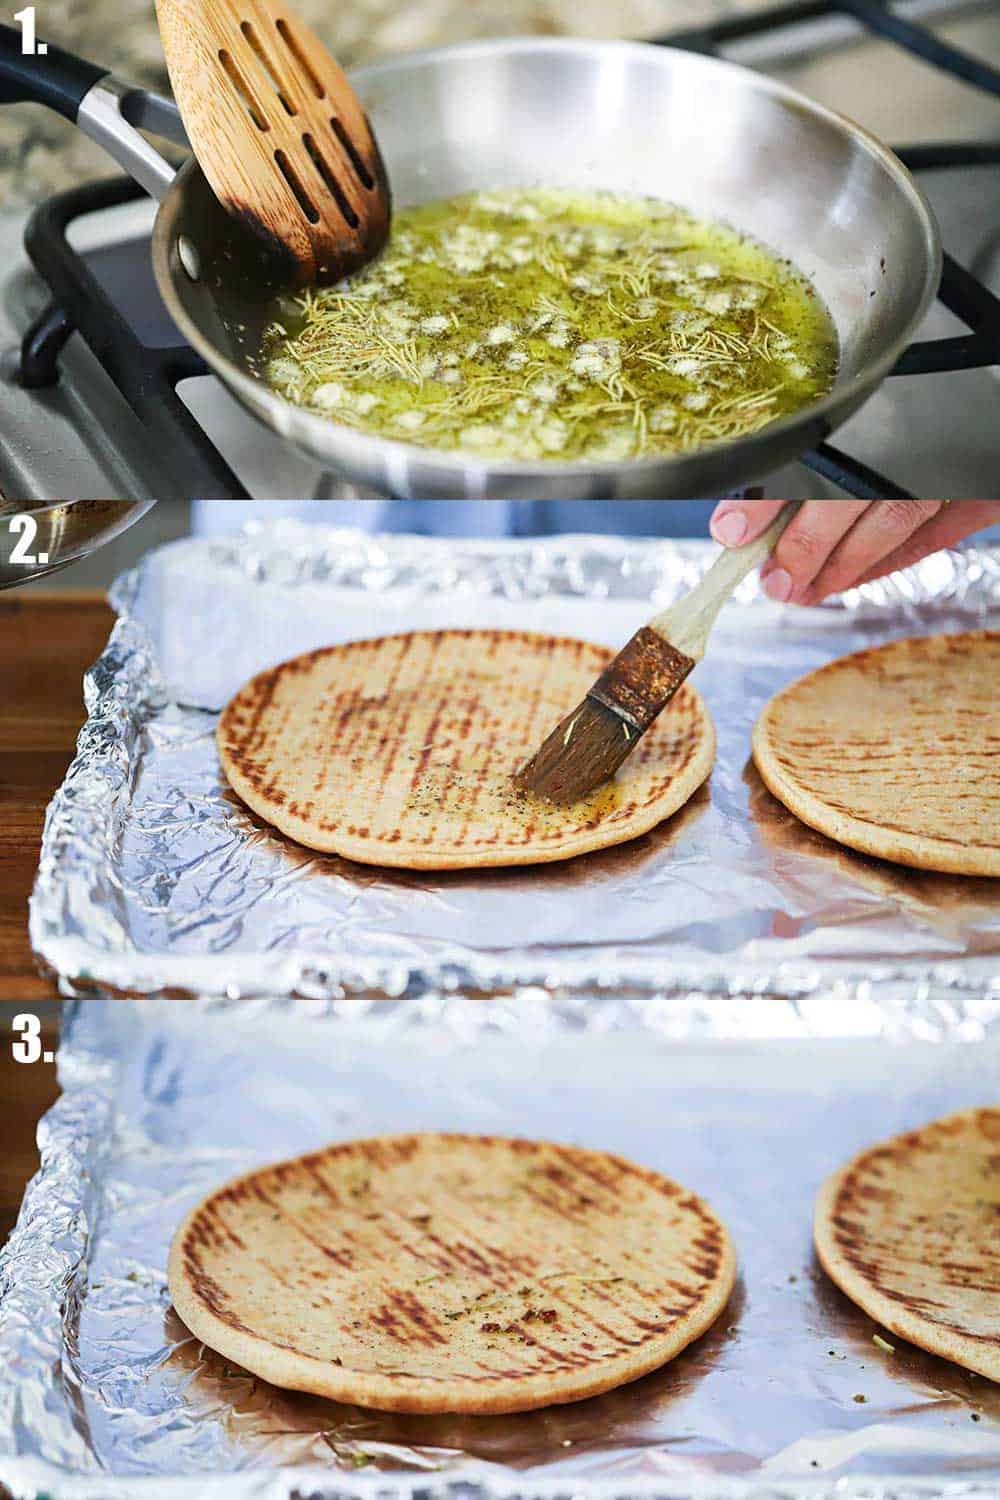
x=40, y=153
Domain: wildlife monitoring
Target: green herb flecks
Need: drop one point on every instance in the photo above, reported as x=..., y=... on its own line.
x=557, y=325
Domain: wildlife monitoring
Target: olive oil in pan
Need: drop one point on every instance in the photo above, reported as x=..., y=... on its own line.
x=557, y=325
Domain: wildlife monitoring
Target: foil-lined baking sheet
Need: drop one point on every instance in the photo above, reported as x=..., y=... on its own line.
x=155, y=879
x=104, y=1395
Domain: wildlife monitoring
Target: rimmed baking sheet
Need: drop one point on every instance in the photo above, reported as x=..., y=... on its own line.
x=103, y=1395
x=154, y=879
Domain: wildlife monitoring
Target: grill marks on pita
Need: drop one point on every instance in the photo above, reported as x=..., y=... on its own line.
x=451, y=1272
x=910, y=1230
x=895, y=751
x=402, y=750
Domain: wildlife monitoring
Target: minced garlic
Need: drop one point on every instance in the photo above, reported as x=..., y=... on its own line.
x=557, y=325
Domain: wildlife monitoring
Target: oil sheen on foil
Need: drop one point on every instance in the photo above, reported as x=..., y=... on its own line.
x=104, y=1395
x=155, y=879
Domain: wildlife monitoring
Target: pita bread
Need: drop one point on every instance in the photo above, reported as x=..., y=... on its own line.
x=400, y=750
x=451, y=1273
x=895, y=751
x=910, y=1230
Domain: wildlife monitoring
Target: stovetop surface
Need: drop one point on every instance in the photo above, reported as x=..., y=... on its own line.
x=931, y=434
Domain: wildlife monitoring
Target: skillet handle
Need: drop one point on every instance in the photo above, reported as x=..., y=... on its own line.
x=101, y=105
x=55, y=78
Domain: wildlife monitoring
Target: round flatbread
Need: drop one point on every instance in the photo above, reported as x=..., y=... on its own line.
x=910, y=1230
x=895, y=751
x=451, y=1273
x=401, y=750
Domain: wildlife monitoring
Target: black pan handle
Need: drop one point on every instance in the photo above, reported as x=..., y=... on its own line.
x=102, y=106
x=54, y=78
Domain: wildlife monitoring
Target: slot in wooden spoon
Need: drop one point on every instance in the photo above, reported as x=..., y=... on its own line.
x=278, y=131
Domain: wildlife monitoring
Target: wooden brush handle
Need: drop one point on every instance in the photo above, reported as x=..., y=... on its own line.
x=686, y=624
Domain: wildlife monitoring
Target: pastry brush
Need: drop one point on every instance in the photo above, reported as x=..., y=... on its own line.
x=588, y=745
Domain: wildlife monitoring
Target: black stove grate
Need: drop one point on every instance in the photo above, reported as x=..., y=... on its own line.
x=189, y=463
x=875, y=16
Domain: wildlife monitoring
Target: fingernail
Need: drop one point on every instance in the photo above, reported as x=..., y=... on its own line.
x=730, y=529
x=778, y=585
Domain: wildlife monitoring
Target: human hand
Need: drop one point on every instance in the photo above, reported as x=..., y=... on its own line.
x=832, y=545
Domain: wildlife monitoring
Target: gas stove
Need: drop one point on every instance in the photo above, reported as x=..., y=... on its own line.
x=99, y=397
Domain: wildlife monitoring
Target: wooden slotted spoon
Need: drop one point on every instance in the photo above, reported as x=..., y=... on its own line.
x=278, y=131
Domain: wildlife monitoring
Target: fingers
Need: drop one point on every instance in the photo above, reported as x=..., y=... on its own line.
x=805, y=548
x=885, y=527
x=737, y=521
x=831, y=545
x=952, y=524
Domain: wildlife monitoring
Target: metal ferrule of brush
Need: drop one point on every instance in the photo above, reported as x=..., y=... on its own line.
x=642, y=678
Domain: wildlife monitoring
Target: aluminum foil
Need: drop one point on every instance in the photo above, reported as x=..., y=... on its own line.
x=155, y=879
x=104, y=1395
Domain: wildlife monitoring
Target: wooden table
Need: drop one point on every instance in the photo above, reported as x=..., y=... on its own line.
x=27, y=1090
x=47, y=641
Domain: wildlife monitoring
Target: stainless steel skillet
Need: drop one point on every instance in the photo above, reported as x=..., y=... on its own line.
x=722, y=140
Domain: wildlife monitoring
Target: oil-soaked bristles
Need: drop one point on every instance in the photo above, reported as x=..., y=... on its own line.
x=583, y=751
x=589, y=745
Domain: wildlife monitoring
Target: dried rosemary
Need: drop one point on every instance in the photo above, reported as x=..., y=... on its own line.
x=534, y=325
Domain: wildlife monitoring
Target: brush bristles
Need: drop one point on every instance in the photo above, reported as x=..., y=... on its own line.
x=583, y=751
